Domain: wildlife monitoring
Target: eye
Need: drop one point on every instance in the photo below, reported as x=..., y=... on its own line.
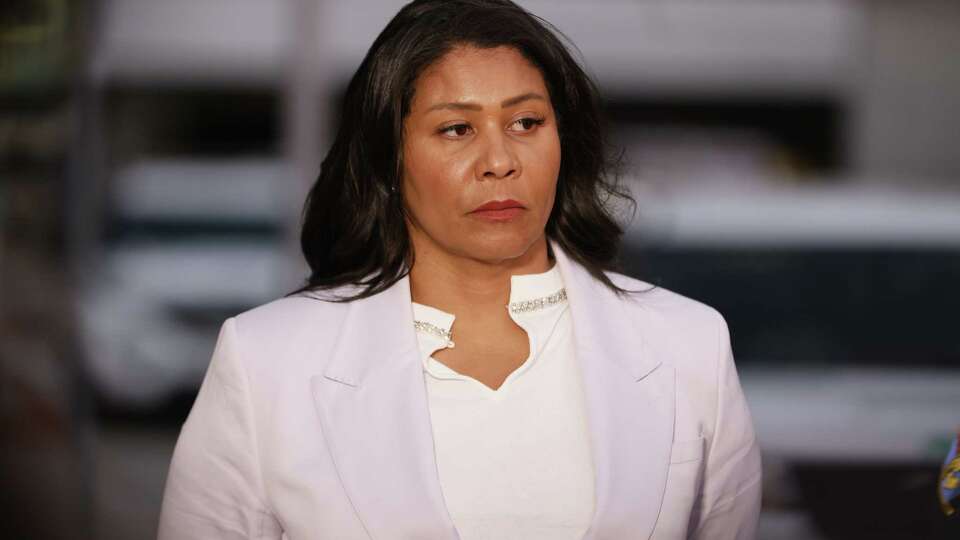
x=455, y=130
x=527, y=123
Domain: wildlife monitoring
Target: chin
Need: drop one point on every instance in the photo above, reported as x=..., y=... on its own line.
x=502, y=247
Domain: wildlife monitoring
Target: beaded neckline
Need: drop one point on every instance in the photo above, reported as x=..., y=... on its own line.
x=434, y=330
x=524, y=306
x=536, y=304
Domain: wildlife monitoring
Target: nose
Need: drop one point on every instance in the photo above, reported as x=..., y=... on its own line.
x=498, y=159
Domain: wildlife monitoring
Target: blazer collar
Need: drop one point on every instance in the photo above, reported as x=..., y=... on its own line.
x=374, y=413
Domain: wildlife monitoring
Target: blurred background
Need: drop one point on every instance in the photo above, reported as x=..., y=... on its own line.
x=795, y=162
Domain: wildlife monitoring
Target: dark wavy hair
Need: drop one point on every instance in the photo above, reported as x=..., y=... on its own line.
x=353, y=227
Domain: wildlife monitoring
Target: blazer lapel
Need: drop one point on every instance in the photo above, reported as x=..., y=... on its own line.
x=374, y=415
x=630, y=406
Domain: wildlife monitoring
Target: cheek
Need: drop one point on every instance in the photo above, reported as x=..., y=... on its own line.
x=432, y=181
x=544, y=164
x=555, y=158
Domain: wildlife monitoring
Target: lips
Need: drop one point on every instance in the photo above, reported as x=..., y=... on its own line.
x=498, y=205
x=499, y=210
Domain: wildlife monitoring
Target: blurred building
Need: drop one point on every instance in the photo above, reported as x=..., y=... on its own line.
x=794, y=165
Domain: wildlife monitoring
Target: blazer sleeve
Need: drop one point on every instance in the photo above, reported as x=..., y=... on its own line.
x=732, y=479
x=214, y=489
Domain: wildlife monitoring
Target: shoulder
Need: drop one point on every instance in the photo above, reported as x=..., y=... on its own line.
x=679, y=331
x=285, y=331
x=666, y=308
x=287, y=315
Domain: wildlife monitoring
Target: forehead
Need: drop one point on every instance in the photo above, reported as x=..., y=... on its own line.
x=483, y=76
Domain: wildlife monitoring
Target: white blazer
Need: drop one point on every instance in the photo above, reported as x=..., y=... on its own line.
x=313, y=423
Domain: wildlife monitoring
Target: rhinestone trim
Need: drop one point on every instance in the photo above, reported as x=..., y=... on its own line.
x=525, y=306
x=535, y=304
x=434, y=330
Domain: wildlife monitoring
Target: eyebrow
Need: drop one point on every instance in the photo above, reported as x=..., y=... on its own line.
x=509, y=102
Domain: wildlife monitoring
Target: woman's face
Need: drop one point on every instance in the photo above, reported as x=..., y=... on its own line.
x=481, y=156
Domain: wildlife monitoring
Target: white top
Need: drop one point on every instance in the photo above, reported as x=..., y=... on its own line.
x=514, y=463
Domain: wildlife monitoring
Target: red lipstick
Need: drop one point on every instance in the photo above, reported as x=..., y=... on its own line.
x=499, y=210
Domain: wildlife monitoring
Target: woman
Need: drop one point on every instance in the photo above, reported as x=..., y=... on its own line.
x=461, y=362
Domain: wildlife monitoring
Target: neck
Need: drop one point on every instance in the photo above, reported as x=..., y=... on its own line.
x=459, y=285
